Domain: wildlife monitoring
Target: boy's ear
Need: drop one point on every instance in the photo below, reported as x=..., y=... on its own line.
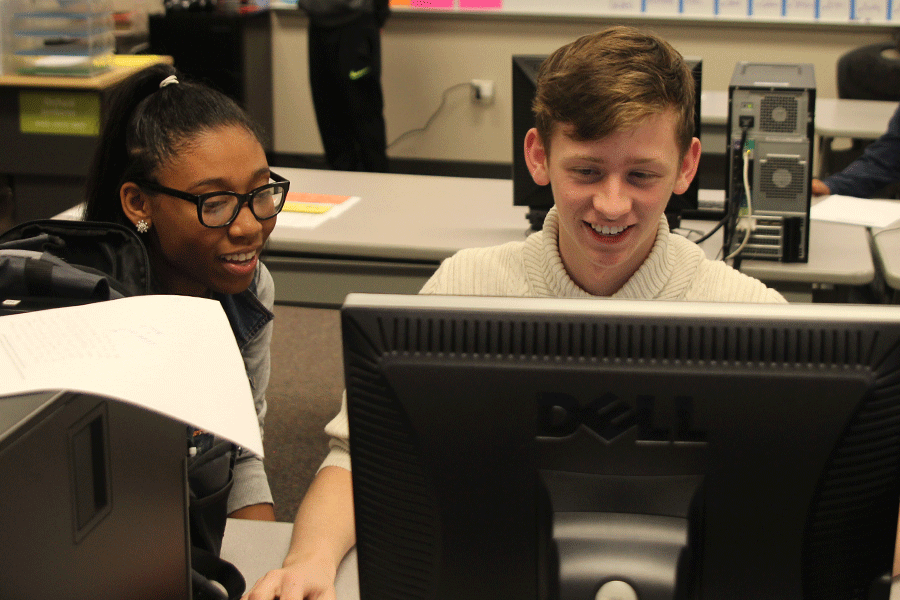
x=688, y=169
x=135, y=204
x=536, y=157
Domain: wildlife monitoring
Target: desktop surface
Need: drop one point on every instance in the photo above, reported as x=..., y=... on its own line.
x=408, y=217
x=394, y=239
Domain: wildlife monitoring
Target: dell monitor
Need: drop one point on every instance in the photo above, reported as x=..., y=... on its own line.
x=539, y=199
x=545, y=448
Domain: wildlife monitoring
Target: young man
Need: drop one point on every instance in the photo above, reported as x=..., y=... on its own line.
x=614, y=139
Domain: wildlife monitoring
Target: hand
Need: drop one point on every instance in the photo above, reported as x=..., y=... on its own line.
x=820, y=189
x=256, y=512
x=298, y=581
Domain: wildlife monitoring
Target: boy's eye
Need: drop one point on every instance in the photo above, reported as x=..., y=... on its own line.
x=643, y=177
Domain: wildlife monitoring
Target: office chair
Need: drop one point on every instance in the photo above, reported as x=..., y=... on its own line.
x=871, y=72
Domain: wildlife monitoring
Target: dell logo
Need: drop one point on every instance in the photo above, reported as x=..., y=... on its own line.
x=609, y=416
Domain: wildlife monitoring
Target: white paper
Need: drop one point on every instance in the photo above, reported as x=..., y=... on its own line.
x=856, y=211
x=175, y=355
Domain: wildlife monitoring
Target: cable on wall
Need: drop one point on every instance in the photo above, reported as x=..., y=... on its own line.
x=434, y=115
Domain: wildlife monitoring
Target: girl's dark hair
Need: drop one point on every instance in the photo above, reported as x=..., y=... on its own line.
x=146, y=126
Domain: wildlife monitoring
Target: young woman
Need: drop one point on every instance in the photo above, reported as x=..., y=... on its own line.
x=183, y=165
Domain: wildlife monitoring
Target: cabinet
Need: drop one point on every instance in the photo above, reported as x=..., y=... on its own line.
x=50, y=127
x=231, y=52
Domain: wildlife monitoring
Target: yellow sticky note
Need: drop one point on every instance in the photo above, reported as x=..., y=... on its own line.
x=306, y=207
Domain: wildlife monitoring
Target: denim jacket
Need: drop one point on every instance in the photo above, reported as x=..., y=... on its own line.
x=250, y=315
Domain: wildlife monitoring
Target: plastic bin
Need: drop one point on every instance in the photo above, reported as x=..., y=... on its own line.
x=58, y=37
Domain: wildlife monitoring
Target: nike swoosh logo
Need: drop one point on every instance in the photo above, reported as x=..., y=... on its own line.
x=357, y=74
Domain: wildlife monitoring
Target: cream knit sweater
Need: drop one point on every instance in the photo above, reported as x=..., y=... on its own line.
x=677, y=269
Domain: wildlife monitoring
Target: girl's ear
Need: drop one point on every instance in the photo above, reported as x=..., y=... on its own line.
x=135, y=204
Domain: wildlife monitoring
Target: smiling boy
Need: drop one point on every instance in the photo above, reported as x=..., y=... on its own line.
x=613, y=137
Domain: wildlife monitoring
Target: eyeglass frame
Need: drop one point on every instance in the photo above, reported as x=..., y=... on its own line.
x=243, y=199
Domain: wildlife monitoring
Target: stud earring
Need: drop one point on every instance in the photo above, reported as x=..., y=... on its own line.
x=142, y=226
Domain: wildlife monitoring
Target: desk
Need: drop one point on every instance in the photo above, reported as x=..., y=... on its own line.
x=840, y=259
x=393, y=239
x=396, y=236
x=48, y=162
x=862, y=119
x=886, y=247
x=257, y=547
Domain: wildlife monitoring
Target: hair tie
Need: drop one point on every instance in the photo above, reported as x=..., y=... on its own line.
x=168, y=81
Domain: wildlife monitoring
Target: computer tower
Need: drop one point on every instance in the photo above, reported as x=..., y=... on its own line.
x=771, y=111
x=94, y=498
x=539, y=199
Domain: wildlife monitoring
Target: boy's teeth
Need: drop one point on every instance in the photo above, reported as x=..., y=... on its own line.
x=606, y=230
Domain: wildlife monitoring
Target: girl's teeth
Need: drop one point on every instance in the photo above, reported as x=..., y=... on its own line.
x=239, y=257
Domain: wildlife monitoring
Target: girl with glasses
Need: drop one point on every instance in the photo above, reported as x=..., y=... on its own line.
x=184, y=165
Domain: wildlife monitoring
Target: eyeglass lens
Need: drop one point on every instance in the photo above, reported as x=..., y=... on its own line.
x=265, y=204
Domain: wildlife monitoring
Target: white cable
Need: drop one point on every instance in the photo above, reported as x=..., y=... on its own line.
x=433, y=115
x=749, y=216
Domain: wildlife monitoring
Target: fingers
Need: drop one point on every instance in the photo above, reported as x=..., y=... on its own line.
x=290, y=584
x=819, y=189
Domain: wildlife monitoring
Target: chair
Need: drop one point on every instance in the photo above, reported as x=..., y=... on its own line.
x=871, y=72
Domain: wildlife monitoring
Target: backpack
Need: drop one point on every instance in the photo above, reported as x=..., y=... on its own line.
x=56, y=263
x=53, y=264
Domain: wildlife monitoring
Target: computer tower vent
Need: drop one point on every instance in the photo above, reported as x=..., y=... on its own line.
x=783, y=178
x=778, y=114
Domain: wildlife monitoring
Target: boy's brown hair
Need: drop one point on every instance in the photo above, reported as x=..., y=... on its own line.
x=612, y=80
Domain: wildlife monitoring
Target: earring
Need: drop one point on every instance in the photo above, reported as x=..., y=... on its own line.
x=142, y=226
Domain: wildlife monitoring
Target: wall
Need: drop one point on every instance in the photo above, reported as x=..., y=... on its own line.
x=424, y=54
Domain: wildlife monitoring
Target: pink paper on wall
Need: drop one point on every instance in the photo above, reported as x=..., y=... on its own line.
x=480, y=4
x=431, y=3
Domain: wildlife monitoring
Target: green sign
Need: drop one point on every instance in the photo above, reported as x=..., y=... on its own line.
x=59, y=113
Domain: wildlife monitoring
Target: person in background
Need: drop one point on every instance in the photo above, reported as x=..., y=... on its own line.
x=614, y=138
x=878, y=167
x=184, y=166
x=345, y=78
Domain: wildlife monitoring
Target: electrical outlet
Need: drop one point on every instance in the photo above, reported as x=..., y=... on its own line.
x=482, y=91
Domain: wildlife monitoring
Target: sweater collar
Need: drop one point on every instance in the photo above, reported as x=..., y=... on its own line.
x=548, y=276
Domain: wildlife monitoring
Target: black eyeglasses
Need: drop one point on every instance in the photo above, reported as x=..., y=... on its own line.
x=220, y=209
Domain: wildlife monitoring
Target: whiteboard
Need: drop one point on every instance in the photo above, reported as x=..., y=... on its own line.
x=875, y=12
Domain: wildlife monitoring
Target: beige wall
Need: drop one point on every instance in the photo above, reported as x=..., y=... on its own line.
x=425, y=54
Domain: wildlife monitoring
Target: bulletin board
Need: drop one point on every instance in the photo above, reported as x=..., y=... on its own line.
x=875, y=12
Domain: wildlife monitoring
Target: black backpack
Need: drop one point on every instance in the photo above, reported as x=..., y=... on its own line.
x=57, y=263
x=52, y=264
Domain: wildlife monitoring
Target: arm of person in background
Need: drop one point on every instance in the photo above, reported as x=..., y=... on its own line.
x=877, y=167
x=251, y=497
x=323, y=532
